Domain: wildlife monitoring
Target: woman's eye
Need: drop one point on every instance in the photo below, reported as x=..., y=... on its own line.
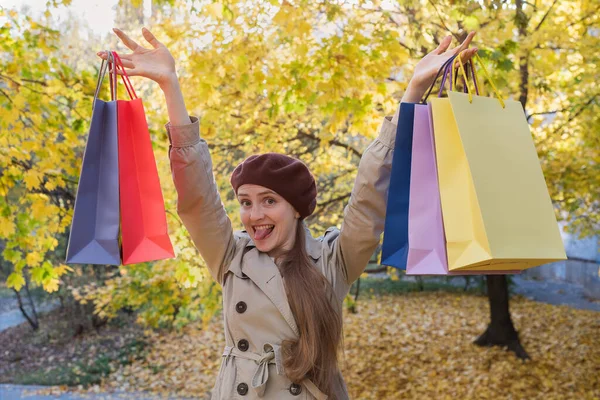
x=270, y=201
x=245, y=203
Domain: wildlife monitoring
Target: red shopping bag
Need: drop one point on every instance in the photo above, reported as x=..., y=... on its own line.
x=144, y=231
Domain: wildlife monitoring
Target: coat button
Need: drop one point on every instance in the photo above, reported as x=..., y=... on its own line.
x=243, y=345
x=295, y=389
x=242, y=389
x=241, y=307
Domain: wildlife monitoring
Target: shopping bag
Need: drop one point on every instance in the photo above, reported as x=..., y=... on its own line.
x=497, y=212
x=94, y=234
x=426, y=239
x=427, y=243
x=144, y=231
x=394, y=250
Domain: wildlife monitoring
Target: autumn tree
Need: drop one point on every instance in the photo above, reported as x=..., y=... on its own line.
x=307, y=78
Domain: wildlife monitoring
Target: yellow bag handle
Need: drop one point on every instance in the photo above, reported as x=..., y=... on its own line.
x=489, y=79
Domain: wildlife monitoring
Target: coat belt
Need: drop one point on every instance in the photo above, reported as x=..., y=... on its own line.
x=271, y=355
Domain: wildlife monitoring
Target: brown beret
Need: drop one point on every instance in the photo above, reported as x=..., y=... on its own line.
x=286, y=176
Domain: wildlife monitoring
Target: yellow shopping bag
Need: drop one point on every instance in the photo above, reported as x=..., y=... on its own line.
x=496, y=208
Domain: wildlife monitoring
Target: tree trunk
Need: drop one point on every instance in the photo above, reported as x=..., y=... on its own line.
x=31, y=303
x=33, y=322
x=467, y=282
x=500, y=331
x=420, y=283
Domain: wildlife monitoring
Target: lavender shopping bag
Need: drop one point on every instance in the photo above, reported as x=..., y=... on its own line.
x=94, y=236
x=427, y=243
x=395, y=248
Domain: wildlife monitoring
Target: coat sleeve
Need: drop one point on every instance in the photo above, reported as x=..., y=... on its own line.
x=365, y=213
x=198, y=202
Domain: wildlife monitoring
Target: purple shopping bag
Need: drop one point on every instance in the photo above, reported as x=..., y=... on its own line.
x=94, y=236
x=426, y=240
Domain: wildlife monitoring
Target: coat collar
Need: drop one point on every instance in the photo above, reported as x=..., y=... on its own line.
x=259, y=267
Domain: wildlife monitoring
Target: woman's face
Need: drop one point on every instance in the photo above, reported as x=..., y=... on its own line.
x=268, y=218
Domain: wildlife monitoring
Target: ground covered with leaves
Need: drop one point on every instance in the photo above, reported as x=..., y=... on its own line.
x=60, y=352
x=416, y=345
x=405, y=345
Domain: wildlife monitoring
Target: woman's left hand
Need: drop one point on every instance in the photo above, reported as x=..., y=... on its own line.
x=427, y=68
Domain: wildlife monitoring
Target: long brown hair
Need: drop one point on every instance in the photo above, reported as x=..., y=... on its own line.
x=312, y=301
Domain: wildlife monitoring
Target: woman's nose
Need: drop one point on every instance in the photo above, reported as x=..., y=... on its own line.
x=256, y=214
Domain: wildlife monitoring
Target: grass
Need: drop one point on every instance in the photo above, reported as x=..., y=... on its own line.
x=389, y=286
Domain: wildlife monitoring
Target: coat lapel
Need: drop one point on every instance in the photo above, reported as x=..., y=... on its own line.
x=264, y=273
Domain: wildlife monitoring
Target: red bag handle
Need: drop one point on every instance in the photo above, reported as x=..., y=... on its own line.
x=119, y=66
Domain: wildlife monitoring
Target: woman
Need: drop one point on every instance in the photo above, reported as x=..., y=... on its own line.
x=282, y=289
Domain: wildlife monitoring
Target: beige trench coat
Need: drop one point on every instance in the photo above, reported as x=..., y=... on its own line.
x=256, y=313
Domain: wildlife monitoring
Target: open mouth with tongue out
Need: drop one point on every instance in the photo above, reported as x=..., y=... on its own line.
x=261, y=232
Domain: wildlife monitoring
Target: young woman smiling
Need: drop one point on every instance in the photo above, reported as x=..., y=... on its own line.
x=282, y=288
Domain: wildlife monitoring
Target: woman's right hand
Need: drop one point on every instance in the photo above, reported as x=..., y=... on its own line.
x=156, y=63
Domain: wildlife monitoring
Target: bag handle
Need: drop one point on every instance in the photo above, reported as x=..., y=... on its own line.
x=113, y=77
x=118, y=64
x=101, y=74
x=447, y=69
x=443, y=69
x=462, y=68
x=471, y=68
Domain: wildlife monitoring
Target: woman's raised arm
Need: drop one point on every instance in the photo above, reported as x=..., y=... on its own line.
x=198, y=202
x=365, y=213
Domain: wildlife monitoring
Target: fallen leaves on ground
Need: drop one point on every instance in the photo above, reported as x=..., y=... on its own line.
x=57, y=348
x=412, y=346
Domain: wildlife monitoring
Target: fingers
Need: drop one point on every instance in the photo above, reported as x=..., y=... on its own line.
x=444, y=44
x=124, y=57
x=127, y=63
x=150, y=38
x=466, y=55
x=130, y=72
x=127, y=41
x=465, y=44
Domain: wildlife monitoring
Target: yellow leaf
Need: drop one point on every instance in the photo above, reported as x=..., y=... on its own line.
x=15, y=281
x=62, y=269
x=33, y=259
x=51, y=285
x=7, y=227
x=33, y=179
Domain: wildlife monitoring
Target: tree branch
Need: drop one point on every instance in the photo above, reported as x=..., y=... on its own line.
x=575, y=115
x=334, y=142
x=590, y=14
x=335, y=200
x=442, y=19
x=7, y=96
x=321, y=207
x=545, y=16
